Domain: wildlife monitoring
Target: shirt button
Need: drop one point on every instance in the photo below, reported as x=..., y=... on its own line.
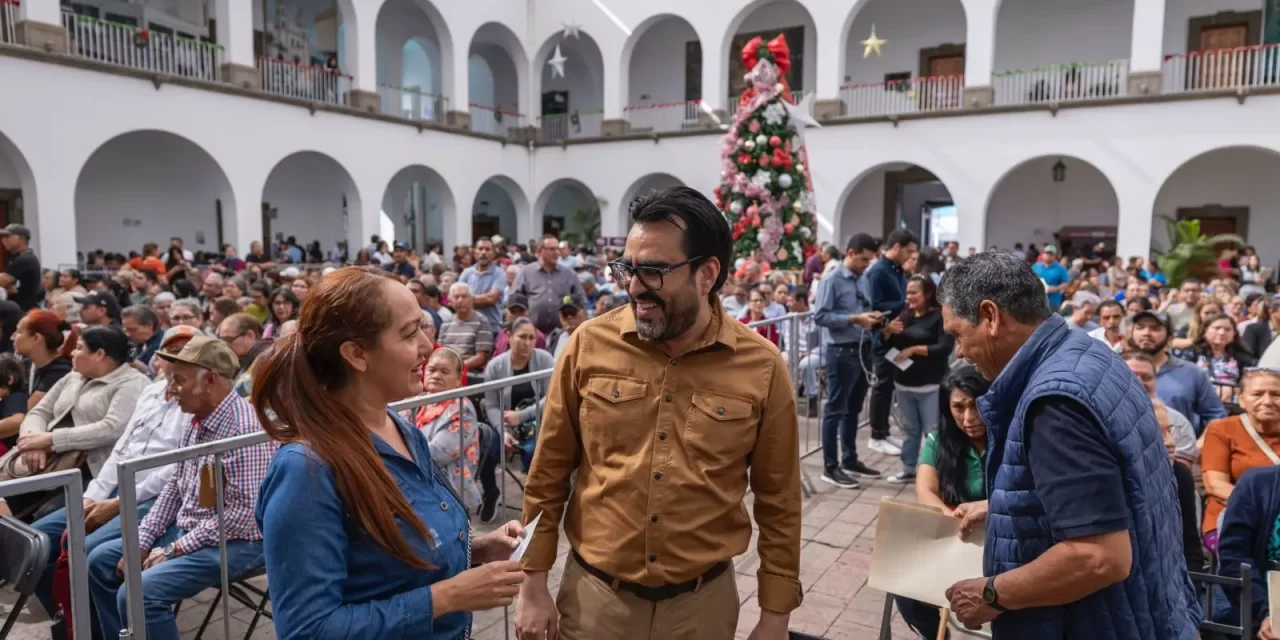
x=657, y=476
x=653, y=557
x=653, y=518
x=720, y=411
x=662, y=436
x=444, y=506
x=615, y=394
x=462, y=536
x=666, y=398
x=673, y=362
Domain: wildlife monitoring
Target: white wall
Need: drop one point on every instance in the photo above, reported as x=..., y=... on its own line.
x=781, y=15
x=306, y=190
x=1034, y=33
x=658, y=63
x=8, y=174
x=168, y=185
x=1177, y=12
x=908, y=27
x=1028, y=206
x=1232, y=178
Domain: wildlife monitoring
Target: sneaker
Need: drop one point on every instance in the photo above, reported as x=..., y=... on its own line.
x=489, y=509
x=901, y=478
x=895, y=441
x=861, y=470
x=839, y=479
x=884, y=446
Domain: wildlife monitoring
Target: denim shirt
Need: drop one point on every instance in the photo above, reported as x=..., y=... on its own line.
x=840, y=295
x=331, y=581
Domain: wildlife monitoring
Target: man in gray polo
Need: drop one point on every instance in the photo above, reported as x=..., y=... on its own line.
x=488, y=283
x=547, y=284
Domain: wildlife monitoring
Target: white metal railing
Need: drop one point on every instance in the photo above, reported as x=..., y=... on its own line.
x=665, y=116
x=9, y=21
x=1254, y=66
x=1061, y=83
x=410, y=103
x=137, y=48
x=912, y=95
x=494, y=120
x=568, y=126
x=303, y=81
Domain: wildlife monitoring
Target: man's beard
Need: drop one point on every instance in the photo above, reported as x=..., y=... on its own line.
x=677, y=316
x=1151, y=351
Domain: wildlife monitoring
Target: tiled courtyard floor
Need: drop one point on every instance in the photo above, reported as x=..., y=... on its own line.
x=839, y=531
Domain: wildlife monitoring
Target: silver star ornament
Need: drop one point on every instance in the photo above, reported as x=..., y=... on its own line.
x=557, y=63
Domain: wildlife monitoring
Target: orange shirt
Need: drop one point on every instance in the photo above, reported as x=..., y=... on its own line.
x=150, y=263
x=1229, y=449
x=663, y=450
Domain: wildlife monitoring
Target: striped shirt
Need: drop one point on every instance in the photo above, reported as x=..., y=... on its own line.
x=243, y=471
x=467, y=337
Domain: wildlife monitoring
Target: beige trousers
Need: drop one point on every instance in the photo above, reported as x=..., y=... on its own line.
x=591, y=610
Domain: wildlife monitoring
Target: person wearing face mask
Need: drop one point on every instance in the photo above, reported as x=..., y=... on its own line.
x=695, y=438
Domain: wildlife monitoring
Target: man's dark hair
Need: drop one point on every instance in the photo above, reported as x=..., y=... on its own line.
x=12, y=374
x=141, y=314
x=706, y=232
x=860, y=242
x=998, y=276
x=900, y=238
x=431, y=291
x=1110, y=303
x=801, y=292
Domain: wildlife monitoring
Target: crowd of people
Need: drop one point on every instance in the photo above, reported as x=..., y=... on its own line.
x=150, y=352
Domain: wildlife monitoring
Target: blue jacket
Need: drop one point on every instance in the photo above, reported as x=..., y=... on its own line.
x=1247, y=527
x=1156, y=601
x=887, y=287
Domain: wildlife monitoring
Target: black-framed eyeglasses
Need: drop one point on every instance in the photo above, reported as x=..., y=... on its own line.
x=650, y=276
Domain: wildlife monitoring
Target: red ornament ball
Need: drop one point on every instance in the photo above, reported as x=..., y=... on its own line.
x=788, y=228
x=744, y=159
x=775, y=141
x=764, y=160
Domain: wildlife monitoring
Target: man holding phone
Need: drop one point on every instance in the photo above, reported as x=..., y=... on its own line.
x=844, y=312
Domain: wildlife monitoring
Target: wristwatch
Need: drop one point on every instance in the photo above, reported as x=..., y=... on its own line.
x=169, y=549
x=990, y=596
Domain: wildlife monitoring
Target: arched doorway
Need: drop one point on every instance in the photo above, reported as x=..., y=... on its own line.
x=415, y=60
x=18, y=196
x=767, y=19
x=497, y=77
x=501, y=208
x=897, y=194
x=923, y=70
x=1084, y=56
x=569, y=210
x=150, y=186
x=570, y=105
x=662, y=47
x=1057, y=200
x=310, y=197
x=418, y=202
x=645, y=185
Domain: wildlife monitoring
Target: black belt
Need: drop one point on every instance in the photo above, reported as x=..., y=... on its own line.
x=849, y=345
x=653, y=594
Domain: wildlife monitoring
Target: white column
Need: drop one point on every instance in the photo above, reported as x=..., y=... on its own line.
x=47, y=11
x=49, y=212
x=235, y=31
x=971, y=217
x=613, y=85
x=715, y=87
x=246, y=215
x=1137, y=213
x=1147, y=44
x=831, y=56
x=980, y=44
x=361, y=44
x=459, y=89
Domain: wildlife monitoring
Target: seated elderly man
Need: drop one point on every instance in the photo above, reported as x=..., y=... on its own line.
x=156, y=427
x=179, y=537
x=468, y=333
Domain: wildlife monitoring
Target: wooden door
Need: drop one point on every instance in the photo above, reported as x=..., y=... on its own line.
x=1219, y=68
x=939, y=93
x=946, y=66
x=484, y=227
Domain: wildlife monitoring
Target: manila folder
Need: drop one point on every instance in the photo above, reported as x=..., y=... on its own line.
x=917, y=552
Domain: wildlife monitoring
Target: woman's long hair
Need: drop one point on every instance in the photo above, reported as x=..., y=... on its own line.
x=50, y=328
x=287, y=294
x=953, y=443
x=296, y=381
x=1233, y=350
x=930, y=291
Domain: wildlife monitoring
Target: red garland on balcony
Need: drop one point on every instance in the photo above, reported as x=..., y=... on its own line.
x=765, y=192
x=142, y=38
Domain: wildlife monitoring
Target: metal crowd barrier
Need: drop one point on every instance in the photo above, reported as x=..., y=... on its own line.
x=71, y=482
x=135, y=626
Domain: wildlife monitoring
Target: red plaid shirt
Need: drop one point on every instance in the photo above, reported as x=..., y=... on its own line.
x=243, y=470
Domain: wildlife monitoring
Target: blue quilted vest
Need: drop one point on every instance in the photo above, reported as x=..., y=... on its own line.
x=1156, y=601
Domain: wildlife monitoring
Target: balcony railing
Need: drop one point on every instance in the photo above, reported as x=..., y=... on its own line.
x=137, y=48
x=303, y=81
x=1061, y=83
x=568, y=126
x=8, y=21
x=413, y=104
x=912, y=95
x=495, y=121
x=661, y=117
x=1254, y=66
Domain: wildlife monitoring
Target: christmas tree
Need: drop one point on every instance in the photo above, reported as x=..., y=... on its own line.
x=765, y=191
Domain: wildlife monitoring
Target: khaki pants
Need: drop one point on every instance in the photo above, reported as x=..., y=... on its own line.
x=591, y=610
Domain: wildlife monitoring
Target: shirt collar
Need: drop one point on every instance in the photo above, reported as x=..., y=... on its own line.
x=220, y=419
x=718, y=331
x=847, y=272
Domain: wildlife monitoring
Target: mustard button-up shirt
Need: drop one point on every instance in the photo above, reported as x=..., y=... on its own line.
x=661, y=447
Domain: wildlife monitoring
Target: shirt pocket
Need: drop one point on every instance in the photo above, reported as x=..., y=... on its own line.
x=720, y=428
x=611, y=408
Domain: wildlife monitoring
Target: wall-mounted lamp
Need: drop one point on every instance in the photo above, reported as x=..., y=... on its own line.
x=1059, y=171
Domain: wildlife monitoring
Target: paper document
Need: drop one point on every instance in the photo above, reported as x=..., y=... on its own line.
x=1273, y=593
x=918, y=555
x=528, y=536
x=891, y=354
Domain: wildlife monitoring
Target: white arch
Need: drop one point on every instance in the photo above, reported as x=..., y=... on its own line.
x=1035, y=207
x=628, y=49
x=566, y=195
x=313, y=197
x=584, y=76
x=727, y=55
x=1230, y=176
x=867, y=196
x=149, y=185
x=506, y=57
x=520, y=203
x=24, y=181
x=399, y=21
x=420, y=204
x=643, y=185
x=891, y=17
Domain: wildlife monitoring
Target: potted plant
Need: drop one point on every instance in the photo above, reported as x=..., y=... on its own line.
x=1192, y=254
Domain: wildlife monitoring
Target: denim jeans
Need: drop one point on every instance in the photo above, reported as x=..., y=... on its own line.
x=164, y=585
x=882, y=394
x=919, y=417
x=847, y=389
x=808, y=372
x=54, y=524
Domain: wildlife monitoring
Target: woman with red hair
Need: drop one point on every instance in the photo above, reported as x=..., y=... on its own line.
x=46, y=341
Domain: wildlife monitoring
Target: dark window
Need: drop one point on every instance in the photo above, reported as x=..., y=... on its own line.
x=900, y=81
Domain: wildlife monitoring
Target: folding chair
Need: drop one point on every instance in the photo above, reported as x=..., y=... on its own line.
x=236, y=588
x=1245, y=584
x=24, y=554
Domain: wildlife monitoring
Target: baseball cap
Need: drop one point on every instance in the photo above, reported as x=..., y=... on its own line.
x=1162, y=318
x=518, y=300
x=290, y=272
x=207, y=353
x=1048, y=248
x=179, y=332
x=99, y=298
x=567, y=304
x=16, y=229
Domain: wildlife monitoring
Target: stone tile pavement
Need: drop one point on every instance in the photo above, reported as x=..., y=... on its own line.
x=839, y=532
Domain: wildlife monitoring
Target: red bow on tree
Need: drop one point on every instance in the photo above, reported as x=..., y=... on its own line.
x=777, y=52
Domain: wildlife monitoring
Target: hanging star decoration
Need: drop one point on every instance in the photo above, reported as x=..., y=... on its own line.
x=571, y=30
x=557, y=63
x=872, y=44
x=799, y=118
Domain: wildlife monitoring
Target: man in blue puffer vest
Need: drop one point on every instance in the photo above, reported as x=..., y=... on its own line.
x=1083, y=526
